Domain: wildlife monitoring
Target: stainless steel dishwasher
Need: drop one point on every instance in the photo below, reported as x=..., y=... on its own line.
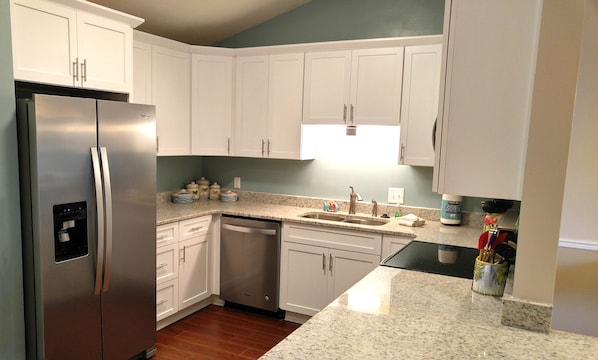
x=250, y=262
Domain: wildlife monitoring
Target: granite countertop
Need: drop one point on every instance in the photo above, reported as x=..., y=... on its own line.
x=402, y=314
x=432, y=231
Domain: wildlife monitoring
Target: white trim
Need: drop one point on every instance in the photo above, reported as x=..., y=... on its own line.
x=579, y=244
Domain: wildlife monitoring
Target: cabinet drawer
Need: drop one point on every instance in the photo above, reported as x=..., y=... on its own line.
x=364, y=242
x=167, y=299
x=166, y=263
x=194, y=227
x=167, y=234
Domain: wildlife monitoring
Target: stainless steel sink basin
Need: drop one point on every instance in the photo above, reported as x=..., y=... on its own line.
x=352, y=219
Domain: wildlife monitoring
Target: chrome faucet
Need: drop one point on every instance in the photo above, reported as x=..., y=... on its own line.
x=374, y=208
x=353, y=197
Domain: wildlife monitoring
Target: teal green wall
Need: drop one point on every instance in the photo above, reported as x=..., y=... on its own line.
x=331, y=20
x=327, y=20
x=12, y=333
x=175, y=172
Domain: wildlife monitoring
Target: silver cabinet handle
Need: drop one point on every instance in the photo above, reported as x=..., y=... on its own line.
x=402, y=156
x=162, y=302
x=160, y=266
x=157, y=144
x=352, y=111
x=248, y=230
x=324, y=262
x=330, y=264
x=268, y=147
x=76, y=70
x=84, y=70
x=263, y=143
x=345, y=113
x=163, y=237
x=108, y=204
x=100, y=218
x=197, y=228
x=184, y=250
x=228, y=146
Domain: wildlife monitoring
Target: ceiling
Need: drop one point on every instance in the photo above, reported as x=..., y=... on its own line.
x=201, y=22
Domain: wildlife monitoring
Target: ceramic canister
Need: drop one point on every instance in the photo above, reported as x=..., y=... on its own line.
x=204, y=188
x=215, y=191
x=193, y=188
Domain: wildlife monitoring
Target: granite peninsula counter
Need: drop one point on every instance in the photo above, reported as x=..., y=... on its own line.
x=402, y=314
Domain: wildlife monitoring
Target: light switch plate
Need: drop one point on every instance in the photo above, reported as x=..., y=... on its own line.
x=237, y=182
x=396, y=195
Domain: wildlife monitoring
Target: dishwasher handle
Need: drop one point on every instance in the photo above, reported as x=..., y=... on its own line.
x=249, y=230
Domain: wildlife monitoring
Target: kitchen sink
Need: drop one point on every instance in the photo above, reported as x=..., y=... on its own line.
x=352, y=219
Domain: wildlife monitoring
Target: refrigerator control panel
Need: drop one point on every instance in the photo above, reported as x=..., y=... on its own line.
x=70, y=231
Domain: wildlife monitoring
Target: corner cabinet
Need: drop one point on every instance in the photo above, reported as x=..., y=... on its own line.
x=183, y=275
x=353, y=87
x=419, y=104
x=90, y=47
x=269, y=100
x=488, y=77
x=318, y=264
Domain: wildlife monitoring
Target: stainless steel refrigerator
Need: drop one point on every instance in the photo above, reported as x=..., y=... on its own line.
x=88, y=185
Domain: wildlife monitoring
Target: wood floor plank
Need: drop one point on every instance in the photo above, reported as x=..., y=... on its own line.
x=221, y=333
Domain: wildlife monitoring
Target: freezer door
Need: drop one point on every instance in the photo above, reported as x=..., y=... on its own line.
x=127, y=139
x=62, y=312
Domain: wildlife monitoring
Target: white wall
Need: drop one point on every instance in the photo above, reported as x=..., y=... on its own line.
x=576, y=288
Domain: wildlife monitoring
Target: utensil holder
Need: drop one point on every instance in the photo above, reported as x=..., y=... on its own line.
x=489, y=278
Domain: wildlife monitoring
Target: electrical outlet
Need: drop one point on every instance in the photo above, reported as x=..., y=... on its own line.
x=396, y=195
x=237, y=182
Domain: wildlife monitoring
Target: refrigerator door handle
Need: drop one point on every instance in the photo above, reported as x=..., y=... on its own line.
x=108, y=215
x=100, y=217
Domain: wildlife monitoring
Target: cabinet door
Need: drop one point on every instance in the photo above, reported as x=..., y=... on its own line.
x=376, y=79
x=167, y=234
x=194, y=227
x=211, y=112
x=44, y=41
x=285, y=103
x=486, y=95
x=303, y=280
x=327, y=87
x=171, y=93
x=419, y=105
x=167, y=263
x=167, y=299
x=142, y=73
x=251, y=118
x=193, y=270
x=105, y=51
x=345, y=268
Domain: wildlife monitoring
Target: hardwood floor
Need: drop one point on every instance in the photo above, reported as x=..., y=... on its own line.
x=221, y=333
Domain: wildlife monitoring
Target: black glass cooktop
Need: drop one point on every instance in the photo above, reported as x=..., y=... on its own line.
x=433, y=258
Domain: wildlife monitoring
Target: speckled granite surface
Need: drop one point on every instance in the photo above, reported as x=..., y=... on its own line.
x=401, y=314
x=281, y=207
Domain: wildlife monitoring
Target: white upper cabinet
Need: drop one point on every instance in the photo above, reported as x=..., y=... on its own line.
x=171, y=93
x=56, y=44
x=486, y=93
x=419, y=105
x=268, y=108
x=142, y=73
x=211, y=109
x=360, y=87
x=251, y=118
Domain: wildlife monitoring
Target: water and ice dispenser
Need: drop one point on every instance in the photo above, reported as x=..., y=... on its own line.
x=70, y=231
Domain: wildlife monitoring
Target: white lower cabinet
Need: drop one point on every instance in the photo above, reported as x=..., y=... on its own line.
x=182, y=265
x=392, y=243
x=318, y=264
